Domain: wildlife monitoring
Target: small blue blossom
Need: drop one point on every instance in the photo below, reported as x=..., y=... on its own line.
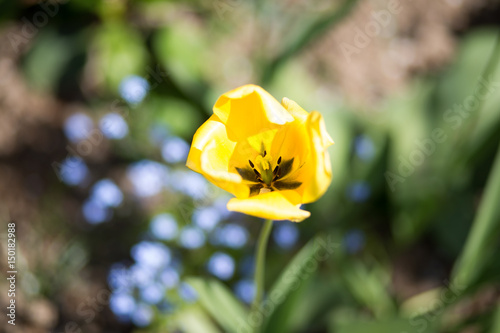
x=189, y=183
x=364, y=148
x=286, y=235
x=233, y=236
x=113, y=126
x=95, y=212
x=192, y=238
x=141, y=275
x=151, y=254
x=142, y=315
x=133, y=89
x=174, y=150
x=152, y=293
x=78, y=127
x=359, y=191
x=354, y=241
x=245, y=290
x=73, y=171
x=206, y=218
x=169, y=278
x=147, y=177
x=122, y=304
x=119, y=278
x=164, y=226
x=187, y=292
x=221, y=265
x=107, y=193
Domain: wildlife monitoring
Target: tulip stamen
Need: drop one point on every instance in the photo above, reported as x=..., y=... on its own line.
x=258, y=174
x=251, y=164
x=279, y=160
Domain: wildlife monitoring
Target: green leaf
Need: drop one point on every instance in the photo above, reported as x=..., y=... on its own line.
x=399, y=325
x=217, y=300
x=297, y=272
x=195, y=320
x=496, y=321
x=484, y=233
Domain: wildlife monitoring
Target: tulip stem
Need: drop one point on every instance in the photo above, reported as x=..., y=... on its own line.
x=260, y=264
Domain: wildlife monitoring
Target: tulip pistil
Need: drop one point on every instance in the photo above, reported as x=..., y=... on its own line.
x=265, y=179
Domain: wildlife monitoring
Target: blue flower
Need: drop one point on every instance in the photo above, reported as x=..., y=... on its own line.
x=232, y=235
x=221, y=265
x=174, y=150
x=189, y=183
x=187, y=292
x=142, y=315
x=245, y=290
x=354, y=241
x=192, y=238
x=169, y=278
x=286, y=235
x=152, y=293
x=364, y=147
x=73, y=171
x=164, y=226
x=95, y=212
x=147, y=177
x=122, y=304
x=78, y=126
x=151, y=254
x=142, y=275
x=113, y=126
x=133, y=89
x=359, y=191
x=119, y=278
x=206, y=218
x=107, y=193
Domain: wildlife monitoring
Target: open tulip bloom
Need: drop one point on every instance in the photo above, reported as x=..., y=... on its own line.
x=272, y=157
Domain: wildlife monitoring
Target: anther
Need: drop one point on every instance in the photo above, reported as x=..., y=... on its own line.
x=257, y=173
x=275, y=171
x=264, y=154
x=279, y=160
x=251, y=164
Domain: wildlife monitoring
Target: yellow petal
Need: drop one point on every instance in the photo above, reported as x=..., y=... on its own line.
x=210, y=130
x=277, y=205
x=210, y=153
x=249, y=110
x=295, y=110
x=318, y=169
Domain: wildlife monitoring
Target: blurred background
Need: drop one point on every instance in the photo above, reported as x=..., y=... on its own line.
x=99, y=100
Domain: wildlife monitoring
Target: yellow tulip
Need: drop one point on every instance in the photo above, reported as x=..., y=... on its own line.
x=273, y=157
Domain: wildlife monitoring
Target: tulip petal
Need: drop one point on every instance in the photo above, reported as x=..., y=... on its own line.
x=210, y=153
x=318, y=169
x=276, y=205
x=249, y=110
x=295, y=110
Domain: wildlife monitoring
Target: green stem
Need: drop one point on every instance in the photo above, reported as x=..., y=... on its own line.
x=260, y=264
